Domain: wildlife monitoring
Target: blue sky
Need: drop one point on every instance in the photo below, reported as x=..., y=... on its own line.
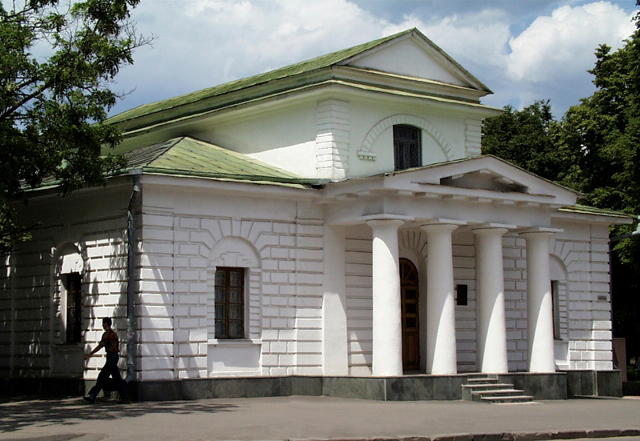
x=524, y=50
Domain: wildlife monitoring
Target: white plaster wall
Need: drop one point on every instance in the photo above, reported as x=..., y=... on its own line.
x=285, y=303
x=444, y=140
x=31, y=310
x=284, y=138
x=322, y=139
x=406, y=57
x=585, y=308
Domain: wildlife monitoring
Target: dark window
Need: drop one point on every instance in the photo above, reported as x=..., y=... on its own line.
x=462, y=297
x=229, y=313
x=407, y=147
x=73, y=285
x=555, y=298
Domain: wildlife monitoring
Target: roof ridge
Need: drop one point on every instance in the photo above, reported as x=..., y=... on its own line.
x=315, y=63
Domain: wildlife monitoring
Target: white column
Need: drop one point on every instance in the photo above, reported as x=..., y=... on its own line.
x=492, y=333
x=387, y=312
x=335, y=357
x=441, y=313
x=539, y=303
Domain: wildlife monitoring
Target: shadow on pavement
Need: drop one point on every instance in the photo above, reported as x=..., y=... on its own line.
x=15, y=415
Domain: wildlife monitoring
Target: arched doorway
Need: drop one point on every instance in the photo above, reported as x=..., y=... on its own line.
x=409, y=287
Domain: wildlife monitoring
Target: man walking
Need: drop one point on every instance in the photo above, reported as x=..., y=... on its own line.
x=111, y=345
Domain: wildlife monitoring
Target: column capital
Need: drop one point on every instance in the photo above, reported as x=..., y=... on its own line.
x=540, y=232
x=439, y=227
x=385, y=222
x=492, y=228
x=489, y=231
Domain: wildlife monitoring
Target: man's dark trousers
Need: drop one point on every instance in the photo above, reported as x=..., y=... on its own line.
x=110, y=369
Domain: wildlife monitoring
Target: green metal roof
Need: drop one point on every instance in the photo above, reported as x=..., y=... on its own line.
x=190, y=157
x=288, y=71
x=584, y=209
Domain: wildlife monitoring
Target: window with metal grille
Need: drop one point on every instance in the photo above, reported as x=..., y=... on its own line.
x=73, y=286
x=407, y=147
x=229, y=305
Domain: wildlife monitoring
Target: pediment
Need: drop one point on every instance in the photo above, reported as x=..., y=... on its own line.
x=414, y=55
x=487, y=174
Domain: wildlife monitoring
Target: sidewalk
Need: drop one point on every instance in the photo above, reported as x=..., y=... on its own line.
x=316, y=418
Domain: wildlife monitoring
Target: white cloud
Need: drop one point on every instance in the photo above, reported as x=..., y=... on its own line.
x=563, y=44
x=479, y=37
x=203, y=43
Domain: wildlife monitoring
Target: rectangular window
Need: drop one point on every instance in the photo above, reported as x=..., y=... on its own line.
x=555, y=297
x=73, y=285
x=229, y=303
x=462, y=297
x=407, y=147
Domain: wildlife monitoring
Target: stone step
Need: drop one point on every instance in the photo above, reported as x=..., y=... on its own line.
x=486, y=388
x=497, y=393
x=481, y=380
x=506, y=399
x=468, y=391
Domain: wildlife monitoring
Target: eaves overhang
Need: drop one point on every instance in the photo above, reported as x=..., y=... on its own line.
x=232, y=187
x=583, y=213
x=323, y=85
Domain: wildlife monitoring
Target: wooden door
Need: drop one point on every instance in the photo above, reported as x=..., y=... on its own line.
x=409, y=288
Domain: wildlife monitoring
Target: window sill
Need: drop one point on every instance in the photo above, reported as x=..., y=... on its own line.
x=234, y=342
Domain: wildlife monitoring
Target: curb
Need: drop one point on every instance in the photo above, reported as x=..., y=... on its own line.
x=506, y=436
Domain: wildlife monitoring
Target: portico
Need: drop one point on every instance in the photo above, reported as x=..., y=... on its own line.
x=438, y=220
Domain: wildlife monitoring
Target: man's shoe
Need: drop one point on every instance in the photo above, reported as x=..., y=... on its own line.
x=125, y=401
x=89, y=399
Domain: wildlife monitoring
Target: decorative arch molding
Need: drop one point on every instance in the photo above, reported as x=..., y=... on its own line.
x=68, y=259
x=413, y=240
x=236, y=252
x=365, y=152
x=557, y=269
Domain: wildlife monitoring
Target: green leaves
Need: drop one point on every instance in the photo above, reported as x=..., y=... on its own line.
x=52, y=105
x=526, y=139
x=595, y=149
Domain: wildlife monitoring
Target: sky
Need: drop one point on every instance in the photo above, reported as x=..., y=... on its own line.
x=523, y=50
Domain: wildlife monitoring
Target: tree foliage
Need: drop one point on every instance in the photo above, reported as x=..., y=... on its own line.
x=56, y=65
x=603, y=131
x=594, y=149
x=525, y=138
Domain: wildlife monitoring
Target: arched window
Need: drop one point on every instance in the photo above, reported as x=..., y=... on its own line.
x=407, y=147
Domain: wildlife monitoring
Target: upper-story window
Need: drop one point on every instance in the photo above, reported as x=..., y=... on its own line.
x=407, y=147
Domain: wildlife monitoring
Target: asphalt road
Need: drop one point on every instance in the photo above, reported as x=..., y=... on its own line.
x=316, y=418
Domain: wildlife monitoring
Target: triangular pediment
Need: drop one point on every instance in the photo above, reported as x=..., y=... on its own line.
x=413, y=55
x=488, y=174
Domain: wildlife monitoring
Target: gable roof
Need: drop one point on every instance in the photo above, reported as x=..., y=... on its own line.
x=339, y=58
x=191, y=157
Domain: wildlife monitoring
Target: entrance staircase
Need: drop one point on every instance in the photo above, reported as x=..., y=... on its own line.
x=486, y=388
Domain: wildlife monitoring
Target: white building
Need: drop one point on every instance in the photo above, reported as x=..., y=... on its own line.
x=329, y=221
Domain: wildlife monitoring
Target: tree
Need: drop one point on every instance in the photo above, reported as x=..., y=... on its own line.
x=525, y=138
x=603, y=134
x=594, y=149
x=55, y=68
